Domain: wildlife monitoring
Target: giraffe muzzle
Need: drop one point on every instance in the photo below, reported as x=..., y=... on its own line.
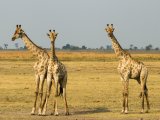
x=13, y=38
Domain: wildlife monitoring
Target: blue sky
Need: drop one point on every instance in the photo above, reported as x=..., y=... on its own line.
x=82, y=22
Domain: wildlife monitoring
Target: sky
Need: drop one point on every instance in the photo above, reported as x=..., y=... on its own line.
x=82, y=22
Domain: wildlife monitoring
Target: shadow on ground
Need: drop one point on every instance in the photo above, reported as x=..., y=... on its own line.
x=91, y=111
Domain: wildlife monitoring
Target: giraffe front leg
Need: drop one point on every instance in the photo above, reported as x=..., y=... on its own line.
x=125, y=96
x=126, y=108
x=55, y=110
x=48, y=91
x=42, y=77
x=123, y=103
x=36, y=94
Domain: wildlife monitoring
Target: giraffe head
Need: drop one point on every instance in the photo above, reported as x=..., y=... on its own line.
x=109, y=29
x=52, y=35
x=18, y=33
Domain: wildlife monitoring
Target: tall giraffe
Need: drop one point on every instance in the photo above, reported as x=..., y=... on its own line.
x=129, y=69
x=58, y=73
x=40, y=67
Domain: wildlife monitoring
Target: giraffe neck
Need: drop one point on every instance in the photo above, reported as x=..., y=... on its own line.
x=117, y=47
x=36, y=50
x=53, y=54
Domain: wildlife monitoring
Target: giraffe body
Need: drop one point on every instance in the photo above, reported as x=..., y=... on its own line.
x=132, y=67
x=57, y=74
x=129, y=69
x=40, y=67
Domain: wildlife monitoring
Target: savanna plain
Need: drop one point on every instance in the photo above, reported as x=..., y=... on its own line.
x=94, y=89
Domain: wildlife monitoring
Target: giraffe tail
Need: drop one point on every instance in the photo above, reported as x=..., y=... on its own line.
x=59, y=91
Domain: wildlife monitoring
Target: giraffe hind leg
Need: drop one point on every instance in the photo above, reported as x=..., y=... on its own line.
x=65, y=101
x=147, y=100
x=143, y=78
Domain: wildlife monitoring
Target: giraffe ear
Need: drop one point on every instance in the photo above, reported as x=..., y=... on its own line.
x=48, y=34
x=56, y=34
x=19, y=26
x=53, y=30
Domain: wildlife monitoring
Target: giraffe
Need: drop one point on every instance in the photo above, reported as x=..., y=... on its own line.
x=58, y=73
x=129, y=69
x=40, y=67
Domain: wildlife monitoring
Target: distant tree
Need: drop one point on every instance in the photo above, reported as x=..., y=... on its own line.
x=5, y=46
x=101, y=48
x=67, y=46
x=131, y=46
x=156, y=48
x=75, y=48
x=135, y=48
x=149, y=47
x=84, y=47
x=108, y=47
x=17, y=46
x=24, y=47
x=1, y=48
x=21, y=48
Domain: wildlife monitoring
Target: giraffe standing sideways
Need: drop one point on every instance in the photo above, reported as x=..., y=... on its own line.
x=58, y=73
x=40, y=66
x=129, y=69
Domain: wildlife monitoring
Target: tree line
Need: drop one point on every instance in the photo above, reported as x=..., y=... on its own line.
x=83, y=47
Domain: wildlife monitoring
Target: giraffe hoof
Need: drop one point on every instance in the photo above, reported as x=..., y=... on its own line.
x=56, y=95
x=125, y=112
x=56, y=114
x=43, y=114
x=32, y=113
x=52, y=113
x=146, y=111
x=67, y=113
x=122, y=112
x=39, y=114
x=142, y=112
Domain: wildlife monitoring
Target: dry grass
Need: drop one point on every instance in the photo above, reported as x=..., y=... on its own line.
x=76, y=56
x=93, y=90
